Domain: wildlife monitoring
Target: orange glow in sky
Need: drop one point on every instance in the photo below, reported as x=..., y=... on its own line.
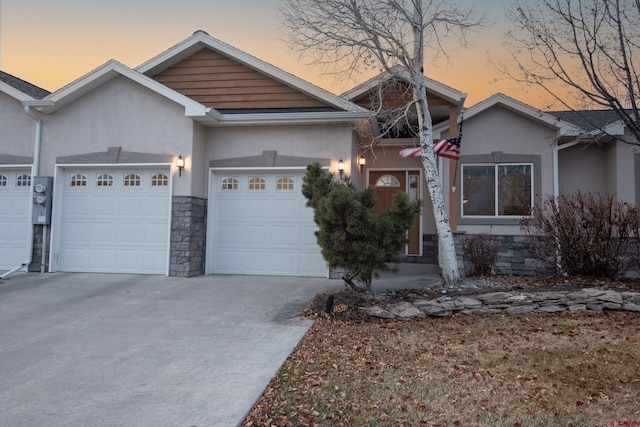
x=52, y=43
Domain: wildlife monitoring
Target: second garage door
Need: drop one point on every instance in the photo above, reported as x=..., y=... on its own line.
x=15, y=196
x=115, y=221
x=259, y=225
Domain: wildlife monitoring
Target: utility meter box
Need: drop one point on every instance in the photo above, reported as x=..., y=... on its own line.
x=42, y=192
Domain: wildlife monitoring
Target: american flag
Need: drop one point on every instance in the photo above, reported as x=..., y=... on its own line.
x=449, y=148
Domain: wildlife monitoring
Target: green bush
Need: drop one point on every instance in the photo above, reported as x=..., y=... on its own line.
x=351, y=234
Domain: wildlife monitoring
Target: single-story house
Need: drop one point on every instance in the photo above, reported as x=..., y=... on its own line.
x=192, y=163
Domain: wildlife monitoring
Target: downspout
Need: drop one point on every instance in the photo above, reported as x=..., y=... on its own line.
x=556, y=188
x=35, y=170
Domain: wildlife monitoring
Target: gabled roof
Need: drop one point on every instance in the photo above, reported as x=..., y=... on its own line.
x=500, y=100
x=433, y=87
x=201, y=39
x=108, y=72
x=194, y=110
x=20, y=89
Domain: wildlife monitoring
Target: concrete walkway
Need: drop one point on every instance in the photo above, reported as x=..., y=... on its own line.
x=127, y=350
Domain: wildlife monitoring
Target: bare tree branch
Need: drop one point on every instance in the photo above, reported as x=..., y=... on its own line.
x=589, y=46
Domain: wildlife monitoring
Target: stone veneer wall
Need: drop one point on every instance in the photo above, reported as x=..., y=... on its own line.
x=188, y=236
x=513, y=256
x=36, y=254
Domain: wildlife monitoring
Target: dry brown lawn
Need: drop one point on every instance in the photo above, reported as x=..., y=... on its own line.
x=466, y=370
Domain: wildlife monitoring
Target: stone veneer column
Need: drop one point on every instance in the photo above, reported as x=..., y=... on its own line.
x=36, y=253
x=188, y=236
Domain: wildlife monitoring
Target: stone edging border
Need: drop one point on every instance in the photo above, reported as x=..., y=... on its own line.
x=586, y=300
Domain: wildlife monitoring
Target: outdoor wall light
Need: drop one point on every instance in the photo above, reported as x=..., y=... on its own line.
x=180, y=164
x=361, y=162
x=341, y=167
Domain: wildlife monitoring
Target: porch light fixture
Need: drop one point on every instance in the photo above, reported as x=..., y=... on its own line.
x=361, y=162
x=341, y=167
x=180, y=164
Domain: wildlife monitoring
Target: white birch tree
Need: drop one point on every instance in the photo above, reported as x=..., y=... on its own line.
x=391, y=36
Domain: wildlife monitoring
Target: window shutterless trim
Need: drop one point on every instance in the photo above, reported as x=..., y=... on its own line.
x=499, y=158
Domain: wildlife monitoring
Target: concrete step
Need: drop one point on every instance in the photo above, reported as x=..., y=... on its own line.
x=413, y=269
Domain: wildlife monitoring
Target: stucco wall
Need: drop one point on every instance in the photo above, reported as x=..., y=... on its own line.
x=509, y=135
x=315, y=141
x=624, y=176
x=17, y=129
x=583, y=168
x=119, y=114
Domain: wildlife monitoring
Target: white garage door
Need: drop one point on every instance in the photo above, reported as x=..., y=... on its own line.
x=115, y=221
x=15, y=196
x=261, y=226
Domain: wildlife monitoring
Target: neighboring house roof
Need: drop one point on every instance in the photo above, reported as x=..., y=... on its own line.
x=593, y=121
x=500, y=100
x=20, y=89
x=201, y=39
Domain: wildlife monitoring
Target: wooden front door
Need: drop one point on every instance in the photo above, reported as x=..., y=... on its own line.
x=386, y=184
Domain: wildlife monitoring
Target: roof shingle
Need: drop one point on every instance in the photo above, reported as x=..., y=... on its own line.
x=23, y=86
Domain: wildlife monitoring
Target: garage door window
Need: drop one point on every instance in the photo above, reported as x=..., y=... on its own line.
x=257, y=183
x=3, y=181
x=229, y=183
x=285, y=183
x=132, y=180
x=104, y=180
x=160, y=180
x=78, y=180
x=23, y=181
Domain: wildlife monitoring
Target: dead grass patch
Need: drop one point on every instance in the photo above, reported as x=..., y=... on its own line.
x=489, y=370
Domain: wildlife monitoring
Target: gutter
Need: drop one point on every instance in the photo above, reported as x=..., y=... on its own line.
x=35, y=171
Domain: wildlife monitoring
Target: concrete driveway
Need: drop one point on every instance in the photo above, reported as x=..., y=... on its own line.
x=130, y=350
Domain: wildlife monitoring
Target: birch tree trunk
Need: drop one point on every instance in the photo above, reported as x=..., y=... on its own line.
x=448, y=261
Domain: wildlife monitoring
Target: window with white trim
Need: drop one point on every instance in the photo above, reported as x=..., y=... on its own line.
x=160, y=180
x=257, y=183
x=229, y=183
x=23, y=181
x=4, y=181
x=78, y=180
x=104, y=180
x=132, y=180
x=497, y=190
x=285, y=183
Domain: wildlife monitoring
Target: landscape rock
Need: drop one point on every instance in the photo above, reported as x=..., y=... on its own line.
x=405, y=310
x=631, y=307
x=585, y=300
x=435, y=310
x=611, y=296
x=376, y=311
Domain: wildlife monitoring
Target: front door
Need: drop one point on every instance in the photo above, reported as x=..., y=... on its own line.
x=386, y=184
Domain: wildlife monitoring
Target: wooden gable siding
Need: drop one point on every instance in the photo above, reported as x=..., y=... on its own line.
x=222, y=83
x=397, y=97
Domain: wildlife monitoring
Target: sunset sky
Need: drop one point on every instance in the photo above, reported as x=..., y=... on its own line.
x=50, y=43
